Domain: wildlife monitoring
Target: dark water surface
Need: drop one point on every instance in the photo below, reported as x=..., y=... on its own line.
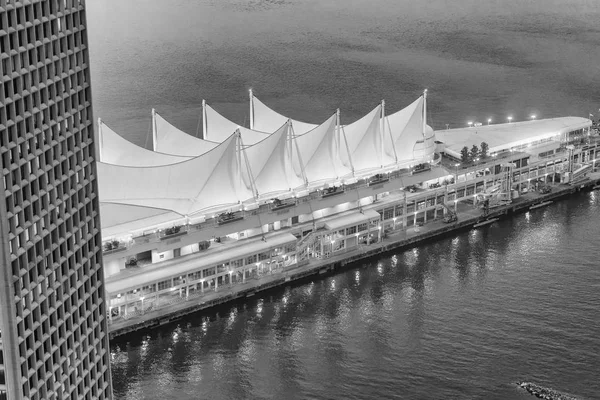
x=463, y=318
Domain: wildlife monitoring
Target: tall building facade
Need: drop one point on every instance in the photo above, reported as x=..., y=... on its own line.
x=53, y=321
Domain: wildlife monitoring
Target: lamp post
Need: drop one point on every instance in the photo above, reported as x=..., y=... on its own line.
x=456, y=176
x=489, y=120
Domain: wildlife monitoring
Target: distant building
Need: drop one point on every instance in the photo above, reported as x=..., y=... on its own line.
x=545, y=136
x=53, y=323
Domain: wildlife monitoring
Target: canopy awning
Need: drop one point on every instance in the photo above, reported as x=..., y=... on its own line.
x=265, y=119
x=218, y=128
x=210, y=258
x=170, y=140
x=200, y=183
x=319, y=153
x=352, y=219
x=403, y=129
x=270, y=164
x=115, y=149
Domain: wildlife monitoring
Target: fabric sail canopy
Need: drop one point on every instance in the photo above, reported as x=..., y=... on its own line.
x=270, y=164
x=319, y=153
x=267, y=120
x=218, y=128
x=115, y=149
x=365, y=146
x=170, y=140
x=201, y=183
x=403, y=129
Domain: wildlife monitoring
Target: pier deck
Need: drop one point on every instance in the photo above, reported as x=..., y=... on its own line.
x=468, y=216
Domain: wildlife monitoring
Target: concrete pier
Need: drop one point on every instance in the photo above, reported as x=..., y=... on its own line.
x=468, y=216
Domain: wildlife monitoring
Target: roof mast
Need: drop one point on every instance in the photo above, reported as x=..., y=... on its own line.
x=251, y=108
x=154, y=133
x=382, y=129
x=100, y=139
x=204, y=120
x=424, y=112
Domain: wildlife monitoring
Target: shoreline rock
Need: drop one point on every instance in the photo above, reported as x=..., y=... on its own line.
x=544, y=392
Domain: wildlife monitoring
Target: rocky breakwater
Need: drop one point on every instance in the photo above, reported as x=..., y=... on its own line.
x=544, y=392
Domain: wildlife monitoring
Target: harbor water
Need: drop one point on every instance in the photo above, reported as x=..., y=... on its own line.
x=465, y=317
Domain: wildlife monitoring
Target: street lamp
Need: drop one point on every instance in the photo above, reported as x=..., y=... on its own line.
x=509, y=119
x=489, y=120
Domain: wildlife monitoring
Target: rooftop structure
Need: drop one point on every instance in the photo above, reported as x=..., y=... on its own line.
x=235, y=175
x=53, y=319
x=514, y=136
x=180, y=231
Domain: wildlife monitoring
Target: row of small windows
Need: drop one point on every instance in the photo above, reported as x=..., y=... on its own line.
x=37, y=11
x=67, y=48
x=28, y=227
x=45, y=77
x=26, y=86
x=26, y=160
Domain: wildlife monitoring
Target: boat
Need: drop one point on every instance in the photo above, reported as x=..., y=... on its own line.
x=486, y=222
x=542, y=204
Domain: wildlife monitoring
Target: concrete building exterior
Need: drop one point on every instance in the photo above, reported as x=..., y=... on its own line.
x=53, y=323
x=168, y=251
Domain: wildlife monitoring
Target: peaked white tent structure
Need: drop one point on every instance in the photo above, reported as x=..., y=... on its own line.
x=319, y=153
x=200, y=176
x=217, y=128
x=115, y=149
x=270, y=164
x=263, y=118
x=365, y=144
x=407, y=136
x=170, y=140
x=213, y=179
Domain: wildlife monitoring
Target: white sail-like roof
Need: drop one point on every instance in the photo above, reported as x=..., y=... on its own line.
x=264, y=119
x=210, y=180
x=364, y=142
x=115, y=149
x=319, y=151
x=170, y=140
x=403, y=130
x=271, y=164
x=218, y=128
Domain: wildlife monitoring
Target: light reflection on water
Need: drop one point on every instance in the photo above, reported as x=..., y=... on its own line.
x=459, y=307
x=461, y=318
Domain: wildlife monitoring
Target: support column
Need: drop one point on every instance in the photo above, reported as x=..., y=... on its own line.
x=216, y=283
x=404, y=212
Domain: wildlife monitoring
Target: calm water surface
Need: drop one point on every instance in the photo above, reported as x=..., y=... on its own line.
x=463, y=318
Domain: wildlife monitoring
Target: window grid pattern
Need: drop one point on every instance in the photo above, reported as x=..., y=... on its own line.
x=47, y=164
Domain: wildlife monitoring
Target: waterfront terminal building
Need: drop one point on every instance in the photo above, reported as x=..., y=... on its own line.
x=53, y=317
x=194, y=216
